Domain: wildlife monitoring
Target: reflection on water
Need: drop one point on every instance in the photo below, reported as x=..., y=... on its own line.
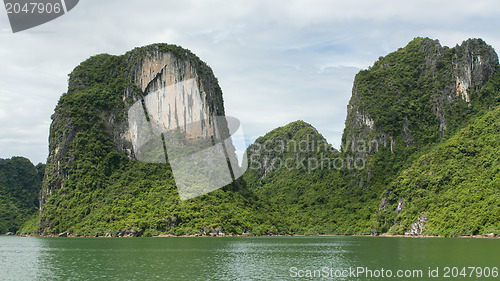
x=230, y=258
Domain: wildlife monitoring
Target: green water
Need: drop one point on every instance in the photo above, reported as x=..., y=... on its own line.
x=244, y=258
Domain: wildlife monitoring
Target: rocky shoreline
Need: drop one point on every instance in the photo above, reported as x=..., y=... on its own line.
x=484, y=236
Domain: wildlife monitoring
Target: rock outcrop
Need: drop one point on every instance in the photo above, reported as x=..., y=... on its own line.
x=171, y=87
x=296, y=146
x=412, y=98
x=418, y=227
x=412, y=88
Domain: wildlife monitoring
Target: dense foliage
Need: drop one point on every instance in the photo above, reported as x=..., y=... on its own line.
x=456, y=185
x=307, y=184
x=20, y=183
x=142, y=199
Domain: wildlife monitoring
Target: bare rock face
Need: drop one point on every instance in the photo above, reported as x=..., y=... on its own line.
x=174, y=85
x=418, y=227
x=474, y=64
x=401, y=205
x=175, y=96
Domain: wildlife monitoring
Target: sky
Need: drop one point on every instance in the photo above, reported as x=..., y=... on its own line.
x=276, y=61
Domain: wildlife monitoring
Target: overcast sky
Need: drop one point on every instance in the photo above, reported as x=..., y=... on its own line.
x=276, y=61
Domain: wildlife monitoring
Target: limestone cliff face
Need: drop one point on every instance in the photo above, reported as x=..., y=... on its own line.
x=174, y=95
x=175, y=88
x=407, y=96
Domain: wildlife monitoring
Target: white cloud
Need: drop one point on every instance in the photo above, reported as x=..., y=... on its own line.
x=277, y=61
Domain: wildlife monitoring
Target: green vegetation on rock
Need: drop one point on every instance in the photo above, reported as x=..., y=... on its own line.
x=456, y=185
x=20, y=183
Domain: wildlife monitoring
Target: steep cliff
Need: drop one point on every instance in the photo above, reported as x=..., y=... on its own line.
x=412, y=98
x=406, y=104
x=106, y=164
x=102, y=89
x=408, y=97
